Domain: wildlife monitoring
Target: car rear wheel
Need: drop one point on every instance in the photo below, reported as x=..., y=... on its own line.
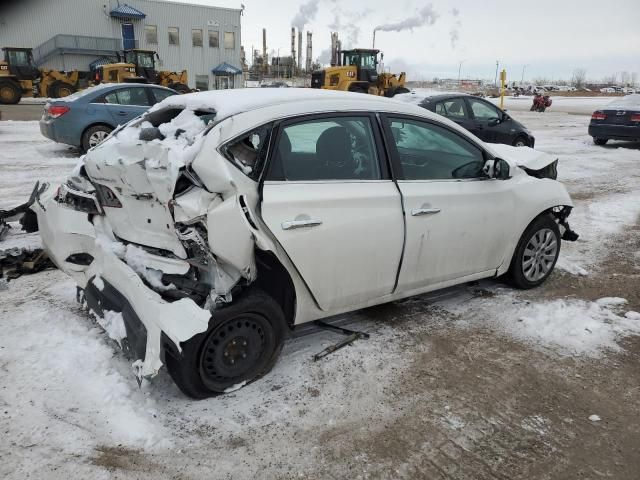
x=520, y=142
x=10, y=93
x=600, y=141
x=242, y=343
x=536, y=253
x=95, y=136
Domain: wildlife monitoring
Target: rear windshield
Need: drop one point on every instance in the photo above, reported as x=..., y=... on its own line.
x=87, y=91
x=630, y=101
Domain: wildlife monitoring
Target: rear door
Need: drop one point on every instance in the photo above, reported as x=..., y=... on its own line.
x=486, y=120
x=159, y=94
x=329, y=201
x=458, y=221
x=125, y=104
x=455, y=109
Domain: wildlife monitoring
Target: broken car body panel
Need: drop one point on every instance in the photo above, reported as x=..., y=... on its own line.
x=182, y=222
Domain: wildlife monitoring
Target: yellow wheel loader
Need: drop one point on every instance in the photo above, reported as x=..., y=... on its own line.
x=139, y=66
x=20, y=77
x=357, y=71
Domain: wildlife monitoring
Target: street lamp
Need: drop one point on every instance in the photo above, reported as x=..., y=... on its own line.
x=522, y=78
x=495, y=82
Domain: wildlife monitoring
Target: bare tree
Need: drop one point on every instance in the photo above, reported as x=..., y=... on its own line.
x=578, y=78
x=634, y=78
x=611, y=79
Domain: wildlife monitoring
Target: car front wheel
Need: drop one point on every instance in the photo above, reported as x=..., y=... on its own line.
x=600, y=141
x=242, y=343
x=536, y=253
x=520, y=142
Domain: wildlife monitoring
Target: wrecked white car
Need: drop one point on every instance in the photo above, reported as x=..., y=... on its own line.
x=209, y=227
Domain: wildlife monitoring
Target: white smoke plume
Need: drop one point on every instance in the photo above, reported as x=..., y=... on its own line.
x=306, y=13
x=424, y=16
x=346, y=24
x=455, y=12
x=454, y=33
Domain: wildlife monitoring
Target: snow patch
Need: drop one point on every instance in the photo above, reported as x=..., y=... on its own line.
x=98, y=282
x=235, y=387
x=135, y=258
x=113, y=325
x=594, y=418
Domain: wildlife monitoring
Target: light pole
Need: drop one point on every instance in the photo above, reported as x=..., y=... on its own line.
x=278, y=63
x=522, y=78
x=495, y=82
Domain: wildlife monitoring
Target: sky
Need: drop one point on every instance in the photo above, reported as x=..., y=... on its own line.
x=541, y=38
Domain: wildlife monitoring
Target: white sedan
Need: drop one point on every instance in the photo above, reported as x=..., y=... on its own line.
x=202, y=232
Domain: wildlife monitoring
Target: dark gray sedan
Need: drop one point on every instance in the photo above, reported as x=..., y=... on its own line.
x=480, y=117
x=620, y=120
x=86, y=118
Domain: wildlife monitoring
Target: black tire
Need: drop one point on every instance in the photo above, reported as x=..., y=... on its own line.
x=29, y=221
x=392, y=92
x=525, y=258
x=181, y=88
x=10, y=93
x=242, y=344
x=600, y=141
x=61, y=89
x=520, y=141
x=95, y=131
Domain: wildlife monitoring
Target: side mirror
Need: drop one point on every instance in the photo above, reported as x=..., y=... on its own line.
x=496, y=168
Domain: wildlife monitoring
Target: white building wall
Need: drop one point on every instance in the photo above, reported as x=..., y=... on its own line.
x=29, y=23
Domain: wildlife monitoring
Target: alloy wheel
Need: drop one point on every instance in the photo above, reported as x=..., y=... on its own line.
x=540, y=255
x=97, y=138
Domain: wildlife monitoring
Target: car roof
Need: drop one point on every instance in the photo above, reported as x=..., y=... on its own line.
x=444, y=96
x=231, y=102
x=87, y=93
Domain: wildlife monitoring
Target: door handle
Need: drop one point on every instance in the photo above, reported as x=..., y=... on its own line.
x=121, y=113
x=293, y=224
x=416, y=212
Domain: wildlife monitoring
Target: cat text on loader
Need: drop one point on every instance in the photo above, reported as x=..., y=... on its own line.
x=139, y=66
x=20, y=77
x=357, y=71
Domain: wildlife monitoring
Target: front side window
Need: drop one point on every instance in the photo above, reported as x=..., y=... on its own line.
x=160, y=94
x=430, y=152
x=249, y=152
x=174, y=36
x=229, y=40
x=128, y=96
x=341, y=148
x=454, y=108
x=196, y=37
x=214, y=39
x=483, y=111
x=151, y=34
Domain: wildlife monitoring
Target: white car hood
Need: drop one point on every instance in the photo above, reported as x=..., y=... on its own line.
x=522, y=156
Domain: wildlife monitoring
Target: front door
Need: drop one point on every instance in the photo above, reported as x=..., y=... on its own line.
x=126, y=104
x=128, y=36
x=457, y=219
x=330, y=203
x=487, y=120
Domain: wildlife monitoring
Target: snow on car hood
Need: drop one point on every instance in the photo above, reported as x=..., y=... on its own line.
x=522, y=156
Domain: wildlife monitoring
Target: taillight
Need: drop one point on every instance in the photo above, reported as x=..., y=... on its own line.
x=635, y=117
x=598, y=116
x=106, y=197
x=56, y=111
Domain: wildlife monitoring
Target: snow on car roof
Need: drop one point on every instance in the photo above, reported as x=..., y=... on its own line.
x=231, y=102
x=628, y=101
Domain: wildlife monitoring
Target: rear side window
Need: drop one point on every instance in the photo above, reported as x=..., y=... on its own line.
x=128, y=96
x=454, y=108
x=160, y=94
x=429, y=152
x=249, y=151
x=340, y=148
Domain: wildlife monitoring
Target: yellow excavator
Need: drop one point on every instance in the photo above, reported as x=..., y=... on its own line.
x=20, y=77
x=357, y=71
x=139, y=66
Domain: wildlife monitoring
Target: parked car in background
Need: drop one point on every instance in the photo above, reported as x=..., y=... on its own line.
x=216, y=222
x=86, y=118
x=619, y=120
x=480, y=117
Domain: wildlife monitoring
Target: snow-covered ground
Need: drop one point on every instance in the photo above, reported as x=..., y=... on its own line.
x=71, y=408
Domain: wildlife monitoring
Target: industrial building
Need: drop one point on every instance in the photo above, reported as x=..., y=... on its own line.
x=80, y=34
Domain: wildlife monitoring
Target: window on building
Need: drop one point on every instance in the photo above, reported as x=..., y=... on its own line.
x=229, y=40
x=196, y=37
x=214, y=39
x=151, y=34
x=202, y=82
x=174, y=36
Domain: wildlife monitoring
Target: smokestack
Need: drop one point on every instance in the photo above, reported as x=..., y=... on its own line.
x=299, y=50
x=338, y=50
x=309, y=52
x=334, y=48
x=293, y=44
x=265, y=64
